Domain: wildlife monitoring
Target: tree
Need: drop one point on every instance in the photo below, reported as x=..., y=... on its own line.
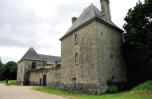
x=2, y=76
x=11, y=70
x=138, y=28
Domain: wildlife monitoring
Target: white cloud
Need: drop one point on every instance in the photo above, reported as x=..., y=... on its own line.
x=41, y=23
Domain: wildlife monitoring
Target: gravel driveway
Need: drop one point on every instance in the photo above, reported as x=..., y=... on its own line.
x=24, y=92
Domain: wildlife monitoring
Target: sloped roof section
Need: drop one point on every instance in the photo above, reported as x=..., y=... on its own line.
x=86, y=15
x=49, y=59
x=31, y=54
x=89, y=13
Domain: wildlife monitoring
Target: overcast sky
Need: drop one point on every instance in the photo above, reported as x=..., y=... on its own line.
x=40, y=23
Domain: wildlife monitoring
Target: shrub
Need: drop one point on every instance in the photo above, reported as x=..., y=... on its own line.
x=144, y=86
x=112, y=89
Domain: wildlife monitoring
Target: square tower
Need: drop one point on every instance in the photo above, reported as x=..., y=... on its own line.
x=91, y=53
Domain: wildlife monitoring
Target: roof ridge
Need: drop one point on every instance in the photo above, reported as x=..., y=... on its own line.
x=49, y=55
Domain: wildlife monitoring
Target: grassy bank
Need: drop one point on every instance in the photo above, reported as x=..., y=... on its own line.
x=12, y=82
x=122, y=95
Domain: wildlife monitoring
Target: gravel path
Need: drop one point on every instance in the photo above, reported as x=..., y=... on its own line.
x=24, y=92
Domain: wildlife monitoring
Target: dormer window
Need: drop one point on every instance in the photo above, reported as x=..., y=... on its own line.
x=76, y=39
x=76, y=59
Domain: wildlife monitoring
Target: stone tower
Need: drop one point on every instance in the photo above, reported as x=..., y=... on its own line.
x=31, y=60
x=91, y=52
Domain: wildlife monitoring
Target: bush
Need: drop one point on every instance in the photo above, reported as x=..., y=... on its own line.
x=144, y=86
x=112, y=89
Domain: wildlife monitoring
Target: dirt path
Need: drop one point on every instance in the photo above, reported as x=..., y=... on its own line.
x=24, y=92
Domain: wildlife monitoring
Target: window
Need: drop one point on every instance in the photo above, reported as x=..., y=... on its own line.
x=33, y=65
x=76, y=58
x=111, y=55
x=74, y=79
x=76, y=39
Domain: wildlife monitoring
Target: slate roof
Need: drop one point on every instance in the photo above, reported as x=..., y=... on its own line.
x=31, y=54
x=49, y=59
x=89, y=13
x=86, y=15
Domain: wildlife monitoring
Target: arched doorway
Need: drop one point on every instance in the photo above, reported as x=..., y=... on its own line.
x=44, y=80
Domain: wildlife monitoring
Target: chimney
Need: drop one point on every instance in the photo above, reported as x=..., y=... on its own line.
x=105, y=9
x=74, y=19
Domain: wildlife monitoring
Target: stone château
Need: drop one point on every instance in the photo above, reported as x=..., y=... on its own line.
x=90, y=56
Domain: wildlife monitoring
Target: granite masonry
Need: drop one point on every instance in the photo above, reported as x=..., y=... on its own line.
x=90, y=56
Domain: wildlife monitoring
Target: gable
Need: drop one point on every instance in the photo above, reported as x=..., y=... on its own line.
x=89, y=15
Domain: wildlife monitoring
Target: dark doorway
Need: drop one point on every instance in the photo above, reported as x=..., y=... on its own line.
x=40, y=82
x=44, y=80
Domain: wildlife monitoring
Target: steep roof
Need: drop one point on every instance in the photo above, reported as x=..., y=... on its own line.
x=89, y=13
x=31, y=54
x=86, y=15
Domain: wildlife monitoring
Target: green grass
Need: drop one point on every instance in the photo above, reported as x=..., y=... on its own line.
x=120, y=95
x=12, y=82
x=144, y=86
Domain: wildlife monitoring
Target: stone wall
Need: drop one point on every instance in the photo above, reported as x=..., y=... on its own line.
x=100, y=60
x=82, y=77
x=110, y=60
x=109, y=54
x=52, y=77
x=20, y=72
x=23, y=68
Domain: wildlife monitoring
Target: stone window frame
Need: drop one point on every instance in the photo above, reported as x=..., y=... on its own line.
x=29, y=66
x=76, y=39
x=76, y=58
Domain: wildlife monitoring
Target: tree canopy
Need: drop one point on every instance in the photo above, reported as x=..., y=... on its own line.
x=8, y=70
x=138, y=28
x=2, y=71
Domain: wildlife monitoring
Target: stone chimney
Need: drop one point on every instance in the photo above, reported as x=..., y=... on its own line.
x=105, y=8
x=74, y=19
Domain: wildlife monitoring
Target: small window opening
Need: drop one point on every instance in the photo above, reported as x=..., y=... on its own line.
x=76, y=58
x=74, y=79
x=33, y=65
x=111, y=55
x=76, y=39
x=113, y=77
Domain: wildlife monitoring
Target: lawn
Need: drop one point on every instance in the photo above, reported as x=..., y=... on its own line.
x=12, y=82
x=121, y=95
